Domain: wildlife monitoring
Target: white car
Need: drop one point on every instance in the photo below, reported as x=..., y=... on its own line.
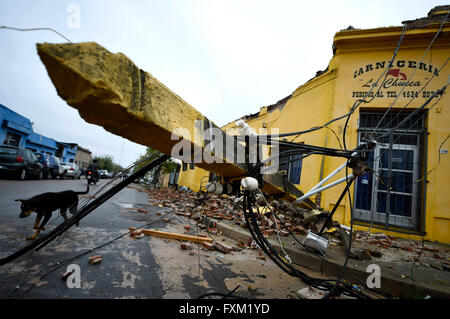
x=61, y=168
x=71, y=170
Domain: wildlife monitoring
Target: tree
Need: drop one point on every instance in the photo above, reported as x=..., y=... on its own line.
x=107, y=162
x=150, y=155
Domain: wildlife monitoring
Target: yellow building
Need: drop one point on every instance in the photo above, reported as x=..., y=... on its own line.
x=419, y=201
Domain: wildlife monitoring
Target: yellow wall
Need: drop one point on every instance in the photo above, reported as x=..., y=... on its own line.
x=356, y=55
x=193, y=178
x=330, y=95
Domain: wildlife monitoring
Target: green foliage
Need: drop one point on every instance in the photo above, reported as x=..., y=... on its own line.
x=151, y=154
x=106, y=162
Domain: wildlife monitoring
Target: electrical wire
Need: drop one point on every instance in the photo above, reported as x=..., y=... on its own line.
x=35, y=29
x=41, y=242
x=414, y=261
x=412, y=75
x=59, y=264
x=397, y=114
x=322, y=284
x=355, y=105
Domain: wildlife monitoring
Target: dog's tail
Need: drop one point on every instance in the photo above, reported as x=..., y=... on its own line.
x=82, y=193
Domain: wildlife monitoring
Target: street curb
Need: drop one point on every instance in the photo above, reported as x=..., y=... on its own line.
x=390, y=285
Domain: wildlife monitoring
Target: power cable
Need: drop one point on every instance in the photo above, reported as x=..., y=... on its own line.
x=41, y=242
x=412, y=75
x=59, y=264
x=35, y=29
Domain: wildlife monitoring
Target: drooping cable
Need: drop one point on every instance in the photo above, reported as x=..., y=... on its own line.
x=35, y=29
x=41, y=242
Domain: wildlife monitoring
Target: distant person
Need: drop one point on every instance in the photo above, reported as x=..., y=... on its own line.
x=93, y=166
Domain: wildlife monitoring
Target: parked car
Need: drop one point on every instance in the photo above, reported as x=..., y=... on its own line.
x=71, y=170
x=62, y=169
x=103, y=173
x=50, y=166
x=19, y=162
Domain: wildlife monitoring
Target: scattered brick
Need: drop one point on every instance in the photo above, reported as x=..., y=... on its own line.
x=261, y=256
x=185, y=246
x=222, y=247
x=433, y=250
x=136, y=233
x=408, y=248
x=208, y=246
x=94, y=260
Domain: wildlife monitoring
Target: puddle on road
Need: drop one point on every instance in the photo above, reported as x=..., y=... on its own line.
x=126, y=205
x=130, y=211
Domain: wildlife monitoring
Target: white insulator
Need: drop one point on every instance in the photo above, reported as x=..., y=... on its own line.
x=214, y=187
x=249, y=183
x=244, y=128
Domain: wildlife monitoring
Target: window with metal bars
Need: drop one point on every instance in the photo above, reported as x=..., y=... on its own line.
x=292, y=164
x=391, y=195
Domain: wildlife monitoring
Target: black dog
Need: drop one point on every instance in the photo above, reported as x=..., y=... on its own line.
x=44, y=204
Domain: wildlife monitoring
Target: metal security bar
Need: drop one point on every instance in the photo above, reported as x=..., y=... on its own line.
x=391, y=195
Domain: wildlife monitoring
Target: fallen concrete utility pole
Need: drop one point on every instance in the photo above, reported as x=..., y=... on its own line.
x=163, y=234
x=111, y=91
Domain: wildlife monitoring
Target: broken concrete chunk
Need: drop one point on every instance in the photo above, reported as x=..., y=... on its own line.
x=375, y=253
x=222, y=247
x=360, y=255
x=208, y=246
x=311, y=293
x=284, y=233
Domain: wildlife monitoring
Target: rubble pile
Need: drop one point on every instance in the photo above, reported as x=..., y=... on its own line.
x=291, y=219
x=223, y=207
x=437, y=257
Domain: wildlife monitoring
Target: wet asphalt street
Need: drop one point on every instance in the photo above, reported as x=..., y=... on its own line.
x=131, y=268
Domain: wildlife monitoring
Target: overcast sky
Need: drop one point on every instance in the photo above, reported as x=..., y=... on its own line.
x=225, y=58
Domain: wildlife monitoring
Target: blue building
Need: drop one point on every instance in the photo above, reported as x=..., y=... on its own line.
x=16, y=130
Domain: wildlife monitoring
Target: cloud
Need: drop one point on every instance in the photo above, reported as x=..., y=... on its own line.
x=225, y=58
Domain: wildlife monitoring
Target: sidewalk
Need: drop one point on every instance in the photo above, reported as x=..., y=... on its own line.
x=395, y=272
x=395, y=256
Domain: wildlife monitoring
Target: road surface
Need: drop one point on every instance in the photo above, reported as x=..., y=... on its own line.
x=131, y=268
